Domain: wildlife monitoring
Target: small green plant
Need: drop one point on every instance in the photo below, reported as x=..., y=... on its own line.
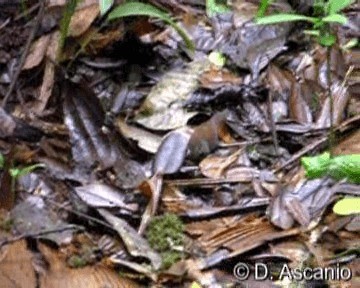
x=6, y=224
x=213, y=7
x=76, y=261
x=141, y=9
x=165, y=234
x=105, y=6
x=325, y=13
x=84, y=257
x=16, y=172
x=65, y=23
x=340, y=167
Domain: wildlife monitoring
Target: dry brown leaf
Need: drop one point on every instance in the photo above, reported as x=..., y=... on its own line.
x=61, y=276
x=37, y=52
x=350, y=145
x=146, y=140
x=49, y=74
x=16, y=268
x=215, y=78
x=214, y=166
x=242, y=235
x=299, y=109
x=82, y=19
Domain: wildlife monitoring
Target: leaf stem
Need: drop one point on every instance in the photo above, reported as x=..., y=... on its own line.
x=331, y=100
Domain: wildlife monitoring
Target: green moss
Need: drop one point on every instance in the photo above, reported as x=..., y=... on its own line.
x=164, y=233
x=76, y=261
x=169, y=258
x=6, y=224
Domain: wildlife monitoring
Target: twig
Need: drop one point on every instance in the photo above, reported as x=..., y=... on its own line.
x=272, y=124
x=41, y=233
x=24, y=53
x=331, y=100
x=6, y=22
x=27, y=12
x=315, y=144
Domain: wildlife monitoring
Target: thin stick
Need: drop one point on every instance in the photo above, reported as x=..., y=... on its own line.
x=24, y=53
x=272, y=124
x=40, y=233
x=331, y=100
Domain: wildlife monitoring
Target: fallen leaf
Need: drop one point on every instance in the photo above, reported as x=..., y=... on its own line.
x=136, y=245
x=61, y=276
x=37, y=52
x=163, y=107
x=172, y=152
x=16, y=265
x=82, y=19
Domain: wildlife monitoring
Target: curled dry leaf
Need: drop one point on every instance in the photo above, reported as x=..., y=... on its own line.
x=101, y=195
x=59, y=275
x=152, y=188
x=172, y=152
x=37, y=52
x=82, y=19
x=251, y=46
x=146, y=140
x=84, y=117
x=136, y=245
x=341, y=98
x=163, y=107
x=238, y=237
x=299, y=109
x=214, y=166
x=32, y=217
x=302, y=204
x=49, y=74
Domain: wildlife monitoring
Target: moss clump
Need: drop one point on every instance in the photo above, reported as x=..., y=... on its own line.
x=164, y=233
x=76, y=261
x=6, y=224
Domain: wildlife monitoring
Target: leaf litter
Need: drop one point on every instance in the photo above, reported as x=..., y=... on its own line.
x=166, y=130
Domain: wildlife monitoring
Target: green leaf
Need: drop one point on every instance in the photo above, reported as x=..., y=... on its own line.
x=195, y=285
x=217, y=58
x=312, y=32
x=280, y=18
x=336, y=18
x=346, y=166
x=347, y=206
x=327, y=40
x=340, y=167
x=65, y=22
x=317, y=166
x=142, y=9
x=212, y=8
x=2, y=160
x=105, y=5
x=337, y=5
x=18, y=172
x=264, y=4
